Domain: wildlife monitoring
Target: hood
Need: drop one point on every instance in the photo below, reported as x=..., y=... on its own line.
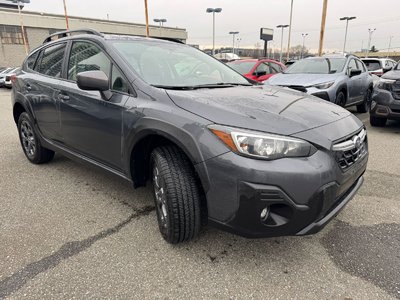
x=395, y=74
x=263, y=108
x=283, y=79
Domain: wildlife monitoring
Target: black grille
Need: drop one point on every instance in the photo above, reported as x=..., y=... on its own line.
x=298, y=88
x=396, y=90
x=347, y=158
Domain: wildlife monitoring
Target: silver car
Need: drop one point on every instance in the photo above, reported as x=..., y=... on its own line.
x=378, y=66
x=341, y=79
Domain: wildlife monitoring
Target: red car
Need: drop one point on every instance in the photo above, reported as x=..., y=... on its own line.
x=257, y=69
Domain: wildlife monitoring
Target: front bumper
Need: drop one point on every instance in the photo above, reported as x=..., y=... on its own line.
x=383, y=105
x=301, y=194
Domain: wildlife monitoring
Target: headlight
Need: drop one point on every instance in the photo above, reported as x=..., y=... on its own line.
x=262, y=145
x=324, y=86
x=386, y=84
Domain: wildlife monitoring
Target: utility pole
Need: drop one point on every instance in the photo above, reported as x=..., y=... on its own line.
x=304, y=35
x=233, y=40
x=22, y=26
x=146, y=12
x=370, y=32
x=282, y=27
x=347, y=19
x=290, y=30
x=390, y=46
x=66, y=14
x=322, y=33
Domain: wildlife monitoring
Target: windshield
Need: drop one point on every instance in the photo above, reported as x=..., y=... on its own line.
x=372, y=65
x=243, y=67
x=317, y=66
x=175, y=65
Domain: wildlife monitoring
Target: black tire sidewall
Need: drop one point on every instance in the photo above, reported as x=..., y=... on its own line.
x=338, y=102
x=155, y=161
x=26, y=117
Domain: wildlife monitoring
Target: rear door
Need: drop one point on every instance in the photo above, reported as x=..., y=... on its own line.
x=92, y=125
x=42, y=88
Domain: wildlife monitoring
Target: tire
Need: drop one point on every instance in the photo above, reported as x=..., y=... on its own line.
x=30, y=142
x=377, y=122
x=364, y=107
x=340, y=99
x=176, y=194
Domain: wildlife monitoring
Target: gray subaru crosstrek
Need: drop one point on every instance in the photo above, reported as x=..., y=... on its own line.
x=255, y=160
x=341, y=79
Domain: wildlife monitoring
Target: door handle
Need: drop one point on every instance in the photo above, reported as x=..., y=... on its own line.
x=63, y=97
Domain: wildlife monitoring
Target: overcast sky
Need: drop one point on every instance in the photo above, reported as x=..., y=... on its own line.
x=249, y=16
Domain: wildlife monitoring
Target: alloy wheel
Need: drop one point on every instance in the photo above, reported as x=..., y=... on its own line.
x=28, y=138
x=160, y=196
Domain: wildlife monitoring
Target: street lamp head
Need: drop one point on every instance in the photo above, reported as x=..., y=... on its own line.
x=233, y=32
x=282, y=26
x=157, y=20
x=213, y=10
x=347, y=18
x=304, y=34
x=163, y=20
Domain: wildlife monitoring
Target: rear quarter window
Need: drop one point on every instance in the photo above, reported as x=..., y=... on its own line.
x=31, y=60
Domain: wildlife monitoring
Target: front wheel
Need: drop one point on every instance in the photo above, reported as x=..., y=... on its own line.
x=364, y=107
x=176, y=194
x=30, y=142
x=377, y=122
x=340, y=99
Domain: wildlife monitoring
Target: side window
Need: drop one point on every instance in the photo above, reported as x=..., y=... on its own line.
x=31, y=60
x=353, y=65
x=361, y=66
x=263, y=67
x=87, y=57
x=51, y=60
x=275, y=68
x=118, y=81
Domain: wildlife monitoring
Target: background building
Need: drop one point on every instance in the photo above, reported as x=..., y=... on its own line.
x=39, y=25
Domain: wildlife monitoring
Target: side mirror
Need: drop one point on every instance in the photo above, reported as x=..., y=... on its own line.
x=354, y=72
x=93, y=81
x=260, y=73
x=387, y=69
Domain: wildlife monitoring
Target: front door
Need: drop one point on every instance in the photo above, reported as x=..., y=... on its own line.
x=91, y=124
x=354, y=84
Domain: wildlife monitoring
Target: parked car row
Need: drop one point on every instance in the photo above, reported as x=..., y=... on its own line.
x=6, y=76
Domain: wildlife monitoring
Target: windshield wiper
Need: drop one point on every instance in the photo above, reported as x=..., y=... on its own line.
x=201, y=86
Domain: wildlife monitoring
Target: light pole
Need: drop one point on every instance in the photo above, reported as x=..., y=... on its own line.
x=233, y=40
x=238, y=40
x=390, y=46
x=290, y=30
x=283, y=27
x=347, y=19
x=304, y=35
x=22, y=21
x=160, y=22
x=213, y=11
x=370, y=32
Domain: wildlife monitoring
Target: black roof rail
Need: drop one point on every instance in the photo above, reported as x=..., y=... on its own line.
x=66, y=33
x=167, y=39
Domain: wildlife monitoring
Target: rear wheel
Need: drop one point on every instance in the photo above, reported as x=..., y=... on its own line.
x=176, y=194
x=364, y=107
x=377, y=122
x=30, y=142
x=340, y=99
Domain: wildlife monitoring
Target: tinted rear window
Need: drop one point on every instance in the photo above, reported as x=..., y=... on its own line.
x=52, y=59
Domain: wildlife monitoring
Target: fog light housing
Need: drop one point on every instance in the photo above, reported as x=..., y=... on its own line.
x=264, y=214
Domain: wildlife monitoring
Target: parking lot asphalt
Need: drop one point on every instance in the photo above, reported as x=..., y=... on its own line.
x=69, y=231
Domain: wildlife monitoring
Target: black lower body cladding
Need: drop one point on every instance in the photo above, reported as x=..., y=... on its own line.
x=385, y=106
x=292, y=196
